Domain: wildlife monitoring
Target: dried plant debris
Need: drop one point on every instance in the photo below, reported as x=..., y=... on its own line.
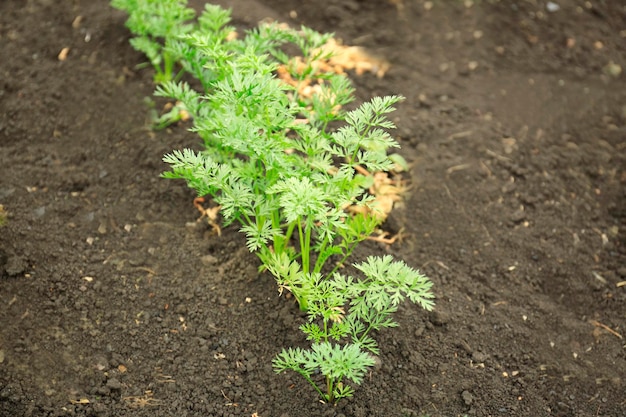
x=3, y=215
x=387, y=191
x=345, y=58
x=146, y=400
x=332, y=57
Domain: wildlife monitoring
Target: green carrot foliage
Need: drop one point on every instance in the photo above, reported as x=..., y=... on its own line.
x=287, y=168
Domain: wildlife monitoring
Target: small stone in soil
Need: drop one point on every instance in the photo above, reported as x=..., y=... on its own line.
x=209, y=260
x=518, y=216
x=15, y=266
x=114, y=384
x=438, y=318
x=479, y=357
x=467, y=397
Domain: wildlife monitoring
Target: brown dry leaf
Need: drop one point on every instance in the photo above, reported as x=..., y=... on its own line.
x=211, y=214
x=63, y=54
x=3, y=215
x=184, y=115
x=352, y=58
x=144, y=401
x=343, y=58
x=232, y=36
x=80, y=401
x=383, y=204
x=76, y=22
x=386, y=192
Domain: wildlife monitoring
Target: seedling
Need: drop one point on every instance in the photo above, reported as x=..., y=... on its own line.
x=287, y=162
x=156, y=24
x=342, y=343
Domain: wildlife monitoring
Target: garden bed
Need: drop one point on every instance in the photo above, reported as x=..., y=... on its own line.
x=116, y=302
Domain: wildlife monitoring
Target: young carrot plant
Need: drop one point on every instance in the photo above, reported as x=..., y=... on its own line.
x=277, y=164
x=279, y=178
x=343, y=312
x=156, y=24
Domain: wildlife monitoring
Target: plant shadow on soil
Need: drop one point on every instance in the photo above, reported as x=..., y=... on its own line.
x=115, y=302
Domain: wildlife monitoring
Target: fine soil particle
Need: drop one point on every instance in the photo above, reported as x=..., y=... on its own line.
x=113, y=302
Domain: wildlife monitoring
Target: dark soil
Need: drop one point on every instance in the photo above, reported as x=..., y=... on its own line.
x=115, y=302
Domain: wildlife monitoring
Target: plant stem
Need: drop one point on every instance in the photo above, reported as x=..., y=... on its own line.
x=329, y=388
x=279, y=241
x=321, y=260
x=343, y=259
x=308, y=378
x=290, y=230
x=304, y=253
x=303, y=247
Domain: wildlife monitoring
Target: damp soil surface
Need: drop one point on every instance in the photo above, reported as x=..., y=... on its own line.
x=114, y=301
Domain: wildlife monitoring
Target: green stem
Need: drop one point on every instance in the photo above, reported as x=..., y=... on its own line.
x=325, y=330
x=304, y=247
x=308, y=378
x=360, y=339
x=361, y=137
x=279, y=241
x=289, y=233
x=248, y=220
x=307, y=247
x=319, y=263
x=168, y=66
x=329, y=388
x=343, y=259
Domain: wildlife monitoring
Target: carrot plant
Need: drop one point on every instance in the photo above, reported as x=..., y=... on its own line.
x=156, y=24
x=292, y=169
x=343, y=308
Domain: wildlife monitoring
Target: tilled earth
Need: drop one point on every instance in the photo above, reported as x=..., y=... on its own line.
x=114, y=301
